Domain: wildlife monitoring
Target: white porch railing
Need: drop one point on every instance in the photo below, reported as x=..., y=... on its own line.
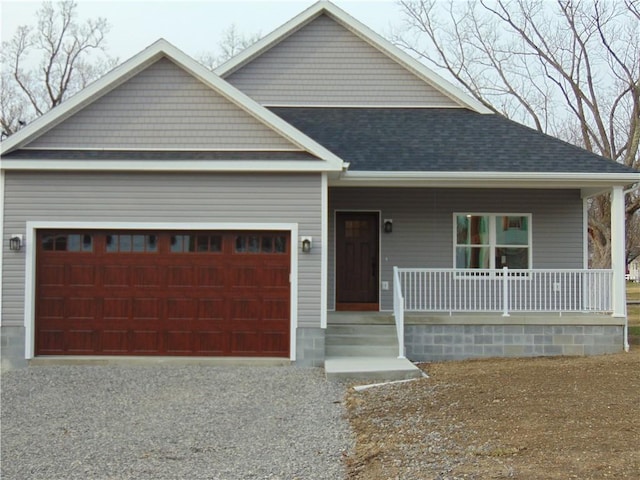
x=478, y=290
x=398, y=311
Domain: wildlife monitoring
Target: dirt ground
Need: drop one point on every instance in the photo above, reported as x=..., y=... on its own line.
x=540, y=418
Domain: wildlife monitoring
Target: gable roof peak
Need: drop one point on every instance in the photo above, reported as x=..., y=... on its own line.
x=154, y=52
x=363, y=32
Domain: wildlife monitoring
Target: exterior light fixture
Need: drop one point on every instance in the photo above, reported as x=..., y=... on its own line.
x=388, y=225
x=15, y=242
x=306, y=244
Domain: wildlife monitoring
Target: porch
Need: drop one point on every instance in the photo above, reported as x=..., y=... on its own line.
x=454, y=314
x=443, y=337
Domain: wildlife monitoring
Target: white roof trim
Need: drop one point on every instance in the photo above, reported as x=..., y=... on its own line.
x=155, y=149
x=366, y=34
x=484, y=179
x=154, y=52
x=166, y=165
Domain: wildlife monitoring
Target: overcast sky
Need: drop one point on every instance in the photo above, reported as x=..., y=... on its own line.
x=193, y=26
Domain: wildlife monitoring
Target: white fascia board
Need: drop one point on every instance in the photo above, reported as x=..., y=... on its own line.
x=162, y=48
x=363, y=32
x=171, y=166
x=485, y=179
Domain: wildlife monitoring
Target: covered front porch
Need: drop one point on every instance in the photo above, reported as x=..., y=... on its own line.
x=448, y=314
x=456, y=273
x=444, y=314
x=379, y=338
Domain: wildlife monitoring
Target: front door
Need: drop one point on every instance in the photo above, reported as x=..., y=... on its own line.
x=357, y=261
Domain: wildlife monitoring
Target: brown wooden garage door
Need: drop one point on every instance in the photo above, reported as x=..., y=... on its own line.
x=163, y=293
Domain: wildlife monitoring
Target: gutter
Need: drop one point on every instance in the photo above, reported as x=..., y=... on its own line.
x=486, y=179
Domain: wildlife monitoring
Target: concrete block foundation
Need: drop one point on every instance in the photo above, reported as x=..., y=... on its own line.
x=310, y=347
x=12, y=348
x=461, y=337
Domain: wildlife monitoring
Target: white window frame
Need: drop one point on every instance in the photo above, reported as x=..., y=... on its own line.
x=492, y=236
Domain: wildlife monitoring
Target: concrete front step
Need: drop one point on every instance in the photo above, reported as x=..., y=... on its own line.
x=378, y=330
x=370, y=368
x=355, y=340
x=361, y=340
x=373, y=340
x=360, y=318
x=360, y=351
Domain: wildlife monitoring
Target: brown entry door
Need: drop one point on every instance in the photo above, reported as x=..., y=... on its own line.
x=357, y=261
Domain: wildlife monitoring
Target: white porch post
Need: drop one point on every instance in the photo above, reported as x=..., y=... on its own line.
x=618, y=252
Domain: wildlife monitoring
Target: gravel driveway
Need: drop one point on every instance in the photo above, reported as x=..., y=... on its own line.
x=172, y=422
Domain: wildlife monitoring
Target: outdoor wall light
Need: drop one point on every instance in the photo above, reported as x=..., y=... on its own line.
x=15, y=242
x=306, y=244
x=388, y=225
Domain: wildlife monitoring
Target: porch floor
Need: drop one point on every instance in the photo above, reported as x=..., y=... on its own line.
x=473, y=318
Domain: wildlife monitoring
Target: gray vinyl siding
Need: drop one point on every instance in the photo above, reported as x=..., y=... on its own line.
x=184, y=198
x=162, y=107
x=323, y=63
x=422, y=234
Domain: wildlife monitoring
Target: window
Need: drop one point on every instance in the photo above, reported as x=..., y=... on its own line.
x=200, y=243
x=260, y=244
x=209, y=243
x=182, y=243
x=68, y=242
x=131, y=243
x=492, y=241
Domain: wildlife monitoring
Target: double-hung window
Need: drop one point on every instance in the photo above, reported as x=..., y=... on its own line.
x=487, y=240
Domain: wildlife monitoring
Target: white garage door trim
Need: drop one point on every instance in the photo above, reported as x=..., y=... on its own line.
x=30, y=262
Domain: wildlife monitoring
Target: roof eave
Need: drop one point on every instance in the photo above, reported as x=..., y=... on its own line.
x=292, y=166
x=588, y=182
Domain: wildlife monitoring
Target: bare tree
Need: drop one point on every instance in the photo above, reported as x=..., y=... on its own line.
x=231, y=43
x=43, y=65
x=571, y=69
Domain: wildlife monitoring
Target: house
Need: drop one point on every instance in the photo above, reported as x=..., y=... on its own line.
x=321, y=177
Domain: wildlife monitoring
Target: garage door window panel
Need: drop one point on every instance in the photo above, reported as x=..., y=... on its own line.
x=68, y=242
x=131, y=243
x=209, y=243
x=280, y=244
x=260, y=244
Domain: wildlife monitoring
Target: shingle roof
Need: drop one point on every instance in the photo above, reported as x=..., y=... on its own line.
x=439, y=140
